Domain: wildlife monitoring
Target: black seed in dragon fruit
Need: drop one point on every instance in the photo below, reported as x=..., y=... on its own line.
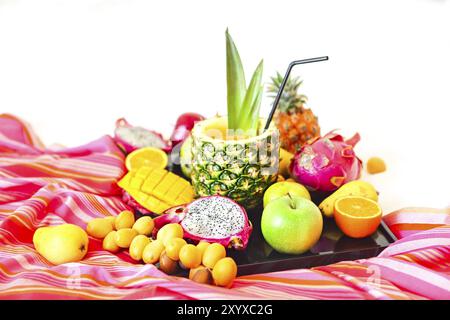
x=212, y=219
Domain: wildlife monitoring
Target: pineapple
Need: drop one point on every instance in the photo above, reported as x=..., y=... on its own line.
x=240, y=169
x=234, y=156
x=297, y=124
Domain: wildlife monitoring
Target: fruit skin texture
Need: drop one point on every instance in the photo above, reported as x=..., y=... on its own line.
x=183, y=127
x=353, y=188
x=297, y=124
x=99, y=227
x=124, y=220
x=123, y=237
x=109, y=242
x=130, y=138
x=285, y=162
x=291, y=225
x=202, y=245
x=282, y=188
x=233, y=167
x=224, y=272
x=112, y=220
x=173, y=248
x=190, y=256
x=137, y=246
x=152, y=252
x=376, y=165
x=213, y=253
x=144, y=225
x=61, y=244
x=354, y=226
x=186, y=157
x=169, y=231
x=201, y=274
x=166, y=264
x=212, y=219
x=327, y=163
x=151, y=190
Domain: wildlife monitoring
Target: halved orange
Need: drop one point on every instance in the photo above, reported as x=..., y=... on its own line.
x=149, y=156
x=356, y=216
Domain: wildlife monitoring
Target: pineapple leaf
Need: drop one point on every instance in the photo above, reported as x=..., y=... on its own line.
x=255, y=110
x=290, y=98
x=252, y=118
x=236, y=86
x=248, y=108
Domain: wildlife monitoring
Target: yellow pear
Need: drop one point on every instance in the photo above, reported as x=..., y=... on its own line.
x=61, y=244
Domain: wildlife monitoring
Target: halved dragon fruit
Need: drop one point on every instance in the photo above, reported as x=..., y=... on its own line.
x=326, y=163
x=213, y=219
x=131, y=138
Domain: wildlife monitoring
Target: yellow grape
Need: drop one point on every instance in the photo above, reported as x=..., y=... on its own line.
x=109, y=243
x=144, y=225
x=99, y=228
x=112, y=220
x=152, y=251
x=202, y=245
x=169, y=231
x=173, y=247
x=124, y=220
x=190, y=256
x=213, y=253
x=137, y=246
x=224, y=272
x=124, y=237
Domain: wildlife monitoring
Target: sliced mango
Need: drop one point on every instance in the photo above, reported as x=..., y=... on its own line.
x=157, y=189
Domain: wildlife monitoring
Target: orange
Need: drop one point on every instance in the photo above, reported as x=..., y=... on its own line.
x=149, y=157
x=356, y=216
x=376, y=165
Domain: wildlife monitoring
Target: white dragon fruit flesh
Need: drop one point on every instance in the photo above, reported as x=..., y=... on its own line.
x=213, y=219
x=131, y=138
x=326, y=163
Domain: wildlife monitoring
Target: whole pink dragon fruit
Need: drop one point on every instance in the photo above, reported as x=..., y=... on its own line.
x=326, y=163
x=131, y=138
x=213, y=219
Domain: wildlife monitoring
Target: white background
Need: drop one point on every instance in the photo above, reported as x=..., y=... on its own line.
x=71, y=68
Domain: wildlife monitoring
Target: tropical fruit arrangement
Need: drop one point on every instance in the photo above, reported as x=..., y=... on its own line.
x=229, y=165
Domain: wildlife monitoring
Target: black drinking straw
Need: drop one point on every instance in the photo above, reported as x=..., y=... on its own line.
x=283, y=84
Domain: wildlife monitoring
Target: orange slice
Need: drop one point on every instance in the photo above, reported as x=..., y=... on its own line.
x=357, y=217
x=149, y=157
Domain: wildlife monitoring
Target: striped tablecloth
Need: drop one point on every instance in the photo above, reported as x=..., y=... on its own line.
x=40, y=187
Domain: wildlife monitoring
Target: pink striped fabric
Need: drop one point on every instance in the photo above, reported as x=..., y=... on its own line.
x=40, y=187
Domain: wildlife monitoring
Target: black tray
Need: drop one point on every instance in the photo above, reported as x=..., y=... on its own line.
x=333, y=246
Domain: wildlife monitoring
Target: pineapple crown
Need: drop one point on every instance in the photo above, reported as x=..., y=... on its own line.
x=290, y=98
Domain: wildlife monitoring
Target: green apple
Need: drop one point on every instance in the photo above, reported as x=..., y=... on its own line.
x=284, y=188
x=291, y=224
